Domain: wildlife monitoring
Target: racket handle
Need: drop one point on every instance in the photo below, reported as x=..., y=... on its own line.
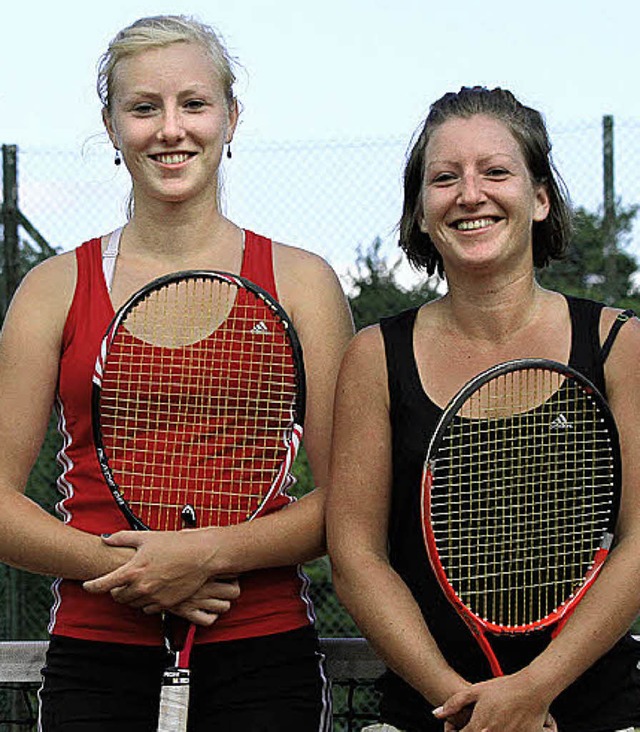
x=174, y=700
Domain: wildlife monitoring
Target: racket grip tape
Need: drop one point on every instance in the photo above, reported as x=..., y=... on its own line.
x=174, y=700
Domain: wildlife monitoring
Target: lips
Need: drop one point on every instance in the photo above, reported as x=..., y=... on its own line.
x=474, y=224
x=172, y=158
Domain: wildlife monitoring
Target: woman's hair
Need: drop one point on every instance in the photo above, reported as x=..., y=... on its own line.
x=551, y=236
x=156, y=32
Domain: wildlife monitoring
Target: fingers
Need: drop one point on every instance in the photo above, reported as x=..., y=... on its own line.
x=106, y=583
x=195, y=616
x=219, y=589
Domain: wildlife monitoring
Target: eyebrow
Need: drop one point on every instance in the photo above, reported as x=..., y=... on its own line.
x=485, y=159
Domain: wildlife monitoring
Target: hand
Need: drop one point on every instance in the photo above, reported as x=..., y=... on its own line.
x=166, y=569
x=460, y=720
x=213, y=599
x=505, y=704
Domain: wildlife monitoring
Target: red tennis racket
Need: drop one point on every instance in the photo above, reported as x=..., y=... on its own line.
x=198, y=405
x=520, y=496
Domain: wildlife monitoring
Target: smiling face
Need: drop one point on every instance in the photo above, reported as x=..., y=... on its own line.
x=170, y=119
x=478, y=199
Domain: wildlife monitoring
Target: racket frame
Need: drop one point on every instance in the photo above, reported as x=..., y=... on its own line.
x=151, y=287
x=174, y=698
x=478, y=625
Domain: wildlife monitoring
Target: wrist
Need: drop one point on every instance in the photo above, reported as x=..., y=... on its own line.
x=224, y=550
x=446, y=685
x=539, y=683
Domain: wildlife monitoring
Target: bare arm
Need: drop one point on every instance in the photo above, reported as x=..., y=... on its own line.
x=357, y=524
x=170, y=567
x=30, y=538
x=610, y=606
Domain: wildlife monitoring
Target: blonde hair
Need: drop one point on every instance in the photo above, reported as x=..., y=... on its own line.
x=156, y=32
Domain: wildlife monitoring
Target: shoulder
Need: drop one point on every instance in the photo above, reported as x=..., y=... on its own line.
x=45, y=293
x=363, y=372
x=293, y=262
x=54, y=278
x=629, y=325
x=366, y=350
x=621, y=367
x=308, y=286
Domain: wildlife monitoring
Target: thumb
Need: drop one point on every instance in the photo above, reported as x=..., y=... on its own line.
x=123, y=538
x=455, y=704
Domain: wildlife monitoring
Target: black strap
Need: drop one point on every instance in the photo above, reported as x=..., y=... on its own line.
x=620, y=320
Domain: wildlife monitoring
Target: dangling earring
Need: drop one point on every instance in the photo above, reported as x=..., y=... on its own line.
x=117, y=160
x=229, y=155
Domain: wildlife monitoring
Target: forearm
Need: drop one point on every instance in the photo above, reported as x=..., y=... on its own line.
x=604, y=615
x=293, y=535
x=33, y=540
x=387, y=614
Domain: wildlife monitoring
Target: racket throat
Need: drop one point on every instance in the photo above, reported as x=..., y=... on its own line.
x=189, y=517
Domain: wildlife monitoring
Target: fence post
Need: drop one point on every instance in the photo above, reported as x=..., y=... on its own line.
x=10, y=220
x=609, y=213
x=10, y=216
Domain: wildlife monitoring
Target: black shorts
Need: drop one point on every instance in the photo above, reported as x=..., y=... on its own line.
x=274, y=683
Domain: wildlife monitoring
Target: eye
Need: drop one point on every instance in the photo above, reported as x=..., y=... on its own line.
x=497, y=173
x=442, y=179
x=143, y=109
x=195, y=105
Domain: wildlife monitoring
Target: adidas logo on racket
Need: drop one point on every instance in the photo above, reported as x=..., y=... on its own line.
x=561, y=423
x=260, y=328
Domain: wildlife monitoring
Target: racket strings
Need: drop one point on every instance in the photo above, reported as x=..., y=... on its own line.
x=521, y=495
x=197, y=403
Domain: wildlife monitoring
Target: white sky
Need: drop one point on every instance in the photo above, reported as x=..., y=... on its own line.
x=333, y=68
x=330, y=72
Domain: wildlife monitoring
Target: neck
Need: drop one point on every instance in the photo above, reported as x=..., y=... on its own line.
x=492, y=309
x=175, y=231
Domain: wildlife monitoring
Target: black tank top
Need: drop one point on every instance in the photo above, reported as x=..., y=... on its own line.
x=607, y=697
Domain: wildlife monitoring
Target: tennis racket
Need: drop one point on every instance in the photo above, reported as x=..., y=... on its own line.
x=520, y=496
x=197, y=406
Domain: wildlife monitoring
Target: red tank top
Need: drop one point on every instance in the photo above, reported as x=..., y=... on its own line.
x=271, y=601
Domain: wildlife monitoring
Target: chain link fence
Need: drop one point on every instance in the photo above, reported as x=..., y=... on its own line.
x=331, y=197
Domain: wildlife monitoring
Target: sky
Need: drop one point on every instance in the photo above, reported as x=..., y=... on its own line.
x=335, y=73
x=335, y=68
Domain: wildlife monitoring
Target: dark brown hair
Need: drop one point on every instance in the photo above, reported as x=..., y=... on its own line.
x=551, y=236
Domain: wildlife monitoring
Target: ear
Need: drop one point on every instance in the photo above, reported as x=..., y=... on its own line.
x=542, y=204
x=106, y=120
x=234, y=114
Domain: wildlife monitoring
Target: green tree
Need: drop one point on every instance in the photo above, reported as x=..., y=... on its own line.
x=377, y=290
x=377, y=293
x=589, y=270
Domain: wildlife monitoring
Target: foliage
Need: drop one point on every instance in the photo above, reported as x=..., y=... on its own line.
x=378, y=292
x=589, y=269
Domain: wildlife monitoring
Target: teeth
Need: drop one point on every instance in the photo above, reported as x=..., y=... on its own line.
x=172, y=159
x=475, y=224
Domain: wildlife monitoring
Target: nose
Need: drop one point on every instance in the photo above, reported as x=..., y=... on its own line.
x=171, y=126
x=470, y=192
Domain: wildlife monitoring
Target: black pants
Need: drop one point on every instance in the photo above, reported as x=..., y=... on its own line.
x=271, y=684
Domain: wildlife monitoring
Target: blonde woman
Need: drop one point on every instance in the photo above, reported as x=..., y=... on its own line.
x=166, y=86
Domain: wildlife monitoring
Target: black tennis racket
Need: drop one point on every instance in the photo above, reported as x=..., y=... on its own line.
x=520, y=496
x=198, y=406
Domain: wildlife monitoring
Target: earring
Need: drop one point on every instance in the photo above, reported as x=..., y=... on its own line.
x=117, y=160
x=229, y=155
